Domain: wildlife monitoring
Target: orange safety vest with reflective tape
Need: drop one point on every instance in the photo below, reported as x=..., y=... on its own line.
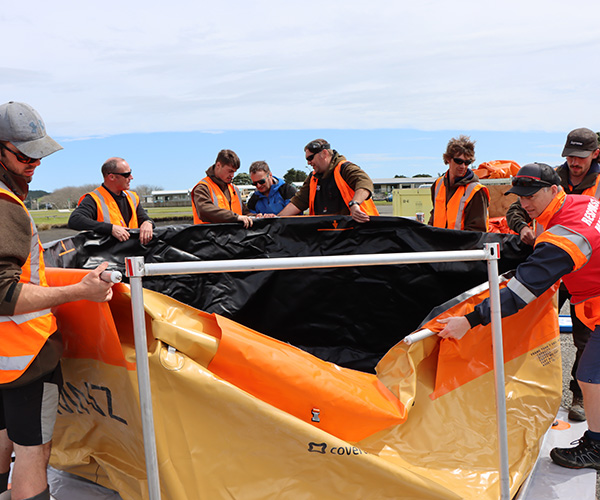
x=367, y=206
x=219, y=199
x=22, y=336
x=108, y=210
x=452, y=214
x=574, y=226
x=593, y=190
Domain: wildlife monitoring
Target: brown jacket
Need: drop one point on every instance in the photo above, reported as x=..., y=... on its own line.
x=206, y=209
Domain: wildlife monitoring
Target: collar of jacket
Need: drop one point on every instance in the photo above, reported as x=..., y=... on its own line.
x=274, y=189
x=462, y=181
x=553, y=207
x=588, y=181
x=17, y=184
x=335, y=159
x=211, y=173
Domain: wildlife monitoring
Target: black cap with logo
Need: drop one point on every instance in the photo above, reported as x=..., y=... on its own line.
x=533, y=177
x=581, y=142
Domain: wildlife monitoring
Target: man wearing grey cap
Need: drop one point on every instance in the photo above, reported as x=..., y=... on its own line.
x=30, y=344
x=580, y=174
x=568, y=249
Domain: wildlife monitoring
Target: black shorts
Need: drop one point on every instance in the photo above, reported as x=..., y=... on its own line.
x=29, y=412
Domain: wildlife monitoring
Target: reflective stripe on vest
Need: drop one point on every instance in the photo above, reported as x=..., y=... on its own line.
x=23, y=335
x=108, y=210
x=520, y=290
x=450, y=214
x=575, y=244
x=219, y=199
x=367, y=206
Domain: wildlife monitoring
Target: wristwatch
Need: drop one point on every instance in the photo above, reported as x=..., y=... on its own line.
x=353, y=203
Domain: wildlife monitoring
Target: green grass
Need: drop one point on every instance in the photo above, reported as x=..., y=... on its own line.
x=45, y=219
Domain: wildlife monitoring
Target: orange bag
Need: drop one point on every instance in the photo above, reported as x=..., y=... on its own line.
x=497, y=169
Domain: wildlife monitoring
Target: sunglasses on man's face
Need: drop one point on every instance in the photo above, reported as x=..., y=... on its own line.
x=529, y=182
x=460, y=161
x=20, y=156
x=259, y=182
x=123, y=174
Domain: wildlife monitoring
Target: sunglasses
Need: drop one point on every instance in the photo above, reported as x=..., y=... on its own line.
x=122, y=174
x=460, y=161
x=20, y=156
x=259, y=182
x=529, y=182
x=312, y=156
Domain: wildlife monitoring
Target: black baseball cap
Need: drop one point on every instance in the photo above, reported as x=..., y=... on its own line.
x=533, y=177
x=581, y=142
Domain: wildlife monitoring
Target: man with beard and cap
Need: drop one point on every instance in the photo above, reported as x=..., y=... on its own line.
x=112, y=208
x=334, y=187
x=215, y=198
x=30, y=344
x=567, y=249
x=459, y=200
x=580, y=174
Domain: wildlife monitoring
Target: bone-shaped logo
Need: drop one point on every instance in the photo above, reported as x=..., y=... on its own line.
x=317, y=448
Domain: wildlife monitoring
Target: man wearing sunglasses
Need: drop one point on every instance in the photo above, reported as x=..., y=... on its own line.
x=460, y=201
x=568, y=249
x=30, y=344
x=271, y=194
x=215, y=198
x=334, y=187
x=111, y=208
x=579, y=174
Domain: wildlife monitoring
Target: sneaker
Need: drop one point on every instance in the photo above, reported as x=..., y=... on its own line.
x=585, y=454
x=577, y=411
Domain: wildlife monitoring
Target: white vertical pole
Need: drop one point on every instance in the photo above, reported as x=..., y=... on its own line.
x=498, y=350
x=135, y=271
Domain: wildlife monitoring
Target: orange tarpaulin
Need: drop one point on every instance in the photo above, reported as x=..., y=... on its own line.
x=239, y=415
x=497, y=169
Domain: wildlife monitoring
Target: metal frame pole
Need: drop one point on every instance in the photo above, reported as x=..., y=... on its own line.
x=135, y=271
x=498, y=351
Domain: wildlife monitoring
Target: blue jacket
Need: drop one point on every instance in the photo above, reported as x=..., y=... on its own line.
x=279, y=196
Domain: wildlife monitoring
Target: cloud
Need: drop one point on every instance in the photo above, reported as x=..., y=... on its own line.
x=126, y=67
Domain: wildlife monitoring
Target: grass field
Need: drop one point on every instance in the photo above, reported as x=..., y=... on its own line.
x=45, y=219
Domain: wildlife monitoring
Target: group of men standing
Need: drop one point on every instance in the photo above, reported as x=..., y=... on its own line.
x=566, y=246
x=334, y=187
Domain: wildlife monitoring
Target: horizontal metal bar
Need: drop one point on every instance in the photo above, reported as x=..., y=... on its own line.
x=240, y=265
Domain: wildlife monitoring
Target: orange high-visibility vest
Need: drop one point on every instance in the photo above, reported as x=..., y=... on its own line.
x=219, y=199
x=594, y=190
x=108, y=210
x=367, y=206
x=573, y=222
x=452, y=215
x=22, y=336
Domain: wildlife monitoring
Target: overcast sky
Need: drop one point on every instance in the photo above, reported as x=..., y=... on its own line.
x=101, y=69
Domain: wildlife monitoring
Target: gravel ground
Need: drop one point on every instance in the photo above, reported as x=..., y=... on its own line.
x=568, y=356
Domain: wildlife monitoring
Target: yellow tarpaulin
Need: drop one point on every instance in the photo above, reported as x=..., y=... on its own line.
x=239, y=415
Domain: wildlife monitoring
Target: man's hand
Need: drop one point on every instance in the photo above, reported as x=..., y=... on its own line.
x=358, y=215
x=527, y=235
x=95, y=289
x=119, y=232
x=145, y=232
x=455, y=328
x=247, y=221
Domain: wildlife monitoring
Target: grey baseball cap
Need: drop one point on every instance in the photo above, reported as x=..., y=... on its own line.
x=581, y=142
x=22, y=125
